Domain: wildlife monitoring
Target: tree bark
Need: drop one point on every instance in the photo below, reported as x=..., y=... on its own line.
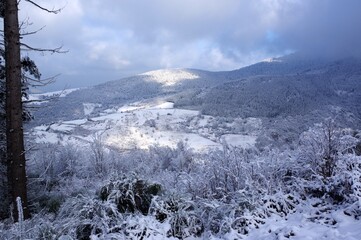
x=16, y=170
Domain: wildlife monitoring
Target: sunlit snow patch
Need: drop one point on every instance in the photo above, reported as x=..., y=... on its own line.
x=38, y=98
x=144, y=139
x=270, y=60
x=166, y=105
x=241, y=141
x=127, y=108
x=169, y=77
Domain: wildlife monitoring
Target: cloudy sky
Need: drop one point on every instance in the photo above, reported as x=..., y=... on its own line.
x=110, y=39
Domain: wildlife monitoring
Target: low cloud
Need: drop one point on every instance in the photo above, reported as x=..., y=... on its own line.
x=325, y=27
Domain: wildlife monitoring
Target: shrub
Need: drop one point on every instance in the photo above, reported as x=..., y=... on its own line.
x=130, y=194
x=183, y=217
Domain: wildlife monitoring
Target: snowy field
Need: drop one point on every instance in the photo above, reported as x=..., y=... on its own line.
x=140, y=126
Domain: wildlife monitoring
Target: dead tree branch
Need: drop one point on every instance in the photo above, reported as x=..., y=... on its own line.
x=51, y=50
x=55, y=11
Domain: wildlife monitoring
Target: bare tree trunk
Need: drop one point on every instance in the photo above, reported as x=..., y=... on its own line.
x=14, y=122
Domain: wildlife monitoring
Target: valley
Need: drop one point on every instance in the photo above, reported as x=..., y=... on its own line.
x=141, y=126
x=269, y=150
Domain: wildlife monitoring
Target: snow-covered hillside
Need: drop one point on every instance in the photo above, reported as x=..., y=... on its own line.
x=294, y=86
x=141, y=126
x=39, y=98
x=269, y=151
x=170, y=77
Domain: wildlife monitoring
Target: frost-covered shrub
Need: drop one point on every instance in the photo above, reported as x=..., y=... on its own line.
x=98, y=154
x=51, y=161
x=46, y=231
x=323, y=146
x=177, y=159
x=49, y=202
x=38, y=227
x=130, y=194
x=185, y=223
x=83, y=217
x=327, y=153
x=143, y=227
x=279, y=204
x=182, y=216
x=54, y=174
x=224, y=175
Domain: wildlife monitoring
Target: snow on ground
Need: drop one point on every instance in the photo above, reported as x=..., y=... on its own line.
x=241, y=141
x=141, y=126
x=130, y=108
x=76, y=122
x=144, y=138
x=165, y=105
x=89, y=107
x=204, y=121
x=297, y=227
x=170, y=77
x=144, y=126
x=46, y=137
x=38, y=98
x=271, y=60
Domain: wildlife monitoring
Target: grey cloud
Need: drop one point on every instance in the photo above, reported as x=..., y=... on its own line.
x=325, y=27
x=110, y=39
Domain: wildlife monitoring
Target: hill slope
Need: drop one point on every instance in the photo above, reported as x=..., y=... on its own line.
x=291, y=86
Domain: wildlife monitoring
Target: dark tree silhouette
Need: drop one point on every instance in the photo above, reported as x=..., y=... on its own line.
x=15, y=89
x=14, y=110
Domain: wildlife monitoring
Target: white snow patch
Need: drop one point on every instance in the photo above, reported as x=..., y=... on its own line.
x=341, y=93
x=46, y=137
x=76, y=122
x=270, y=60
x=127, y=108
x=89, y=107
x=297, y=227
x=165, y=105
x=62, y=127
x=145, y=138
x=61, y=93
x=241, y=141
x=170, y=77
x=39, y=98
x=142, y=125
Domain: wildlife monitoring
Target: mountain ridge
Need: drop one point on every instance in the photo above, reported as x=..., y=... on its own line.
x=288, y=86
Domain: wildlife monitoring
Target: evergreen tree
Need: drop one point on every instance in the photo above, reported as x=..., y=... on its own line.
x=13, y=90
x=29, y=72
x=15, y=154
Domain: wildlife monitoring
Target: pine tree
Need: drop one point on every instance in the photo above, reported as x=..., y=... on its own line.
x=16, y=171
x=16, y=82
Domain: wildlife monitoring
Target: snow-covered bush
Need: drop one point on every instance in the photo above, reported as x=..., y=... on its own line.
x=98, y=153
x=54, y=174
x=130, y=194
x=83, y=217
x=327, y=153
x=183, y=216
